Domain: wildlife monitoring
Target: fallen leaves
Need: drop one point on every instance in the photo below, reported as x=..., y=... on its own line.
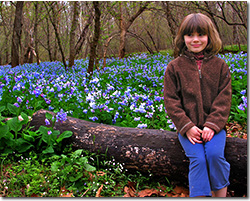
x=98, y=193
x=236, y=130
x=65, y=193
x=178, y=191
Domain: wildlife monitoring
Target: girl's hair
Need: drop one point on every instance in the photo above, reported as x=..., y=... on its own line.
x=202, y=24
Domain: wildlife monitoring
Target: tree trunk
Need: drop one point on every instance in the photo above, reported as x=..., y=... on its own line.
x=146, y=150
x=171, y=21
x=82, y=38
x=235, y=31
x=123, y=32
x=35, y=33
x=124, y=26
x=73, y=34
x=96, y=36
x=48, y=39
x=17, y=31
x=105, y=49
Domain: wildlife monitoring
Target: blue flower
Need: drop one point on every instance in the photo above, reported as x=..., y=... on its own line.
x=243, y=92
x=142, y=126
x=93, y=118
x=47, y=122
x=61, y=116
x=16, y=104
x=137, y=118
x=19, y=100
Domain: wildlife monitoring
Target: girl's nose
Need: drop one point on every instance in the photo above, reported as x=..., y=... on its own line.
x=195, y=38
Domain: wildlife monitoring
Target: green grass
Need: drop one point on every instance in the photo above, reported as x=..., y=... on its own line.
x=235, y=48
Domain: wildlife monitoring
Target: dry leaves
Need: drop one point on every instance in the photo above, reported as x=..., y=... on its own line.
x=236, y=130
x=65, y=193
x=178, y=191
x=98, y=193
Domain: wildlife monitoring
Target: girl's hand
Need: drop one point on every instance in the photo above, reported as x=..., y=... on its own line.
x=207, y=134
x=194, y=135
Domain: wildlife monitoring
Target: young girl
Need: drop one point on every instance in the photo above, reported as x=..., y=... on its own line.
x=197, y=97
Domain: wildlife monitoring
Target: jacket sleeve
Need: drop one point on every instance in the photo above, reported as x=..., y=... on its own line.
x=173, y=103
x=221, y=106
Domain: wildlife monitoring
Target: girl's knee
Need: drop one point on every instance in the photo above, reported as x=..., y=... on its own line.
x=214, y=155
x=198, y=162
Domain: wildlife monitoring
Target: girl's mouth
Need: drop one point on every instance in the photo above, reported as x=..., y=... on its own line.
x=196, y=45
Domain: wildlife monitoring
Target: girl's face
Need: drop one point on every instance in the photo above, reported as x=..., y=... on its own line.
x=196, y=42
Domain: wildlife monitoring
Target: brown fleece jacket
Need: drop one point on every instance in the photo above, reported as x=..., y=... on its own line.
x=197, y=98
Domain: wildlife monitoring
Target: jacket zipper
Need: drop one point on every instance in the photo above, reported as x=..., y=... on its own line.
x=199, y=69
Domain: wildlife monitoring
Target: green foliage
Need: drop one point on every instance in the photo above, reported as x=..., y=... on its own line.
x=72, y=171
x=17, y=136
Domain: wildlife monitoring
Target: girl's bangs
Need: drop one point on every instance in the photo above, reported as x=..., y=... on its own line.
x=196, y=25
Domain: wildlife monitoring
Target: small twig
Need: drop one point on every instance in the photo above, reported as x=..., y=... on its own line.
x=85, y=192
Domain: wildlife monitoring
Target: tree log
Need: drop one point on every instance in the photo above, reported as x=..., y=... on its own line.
x=146, y=150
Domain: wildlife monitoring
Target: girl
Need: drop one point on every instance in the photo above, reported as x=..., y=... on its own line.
x=197, y=97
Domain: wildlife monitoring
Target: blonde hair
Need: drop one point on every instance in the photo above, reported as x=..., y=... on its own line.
x=202, y=24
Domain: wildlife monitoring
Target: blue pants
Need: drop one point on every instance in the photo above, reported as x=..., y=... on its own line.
x=208, y=168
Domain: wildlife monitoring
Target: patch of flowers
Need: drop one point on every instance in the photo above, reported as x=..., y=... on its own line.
x=128, y=92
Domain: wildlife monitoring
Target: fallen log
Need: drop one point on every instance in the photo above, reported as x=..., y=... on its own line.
x=146, y=150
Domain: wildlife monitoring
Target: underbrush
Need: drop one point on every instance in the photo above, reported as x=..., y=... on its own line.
x=73, y=173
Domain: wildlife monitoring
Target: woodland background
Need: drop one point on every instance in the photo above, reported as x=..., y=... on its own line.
x=35, y=31
x=57, y=35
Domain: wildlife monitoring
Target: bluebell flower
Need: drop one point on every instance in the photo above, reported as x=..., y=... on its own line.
x=172, y=126
x=149, y=115
x=47, y=122
x=93, y=118
x=241, y=107
x=142, y=126
x=141, y=109
x=61, y=116
x=243, y=92
x=19, y=100
x=137, y=118
x=16, y=104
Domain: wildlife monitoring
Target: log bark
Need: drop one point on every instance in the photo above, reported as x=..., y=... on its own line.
x=146, y=150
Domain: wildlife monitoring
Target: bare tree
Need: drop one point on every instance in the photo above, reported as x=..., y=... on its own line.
x=36, y=4
x=73, y=33
x=17, y=31
x=50, y=6
x=96, y=36
x=6, y=11
x=124, y=24
x=171, y=20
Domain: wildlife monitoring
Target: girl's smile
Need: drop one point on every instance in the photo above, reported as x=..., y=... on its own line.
x=196, y=42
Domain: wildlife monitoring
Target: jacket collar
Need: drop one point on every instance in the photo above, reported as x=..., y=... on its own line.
x=193, y=56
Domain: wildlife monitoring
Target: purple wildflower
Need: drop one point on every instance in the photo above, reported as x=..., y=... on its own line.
x=93, y=118
x=47, y=122
x=61, y=116
x=142, y=126
x=19, y=100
